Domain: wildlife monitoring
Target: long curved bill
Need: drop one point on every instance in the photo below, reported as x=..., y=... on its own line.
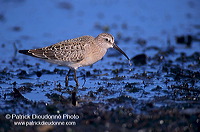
x=117, y=48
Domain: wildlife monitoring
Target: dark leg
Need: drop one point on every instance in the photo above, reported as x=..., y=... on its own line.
x=74, y=98
x=67, y=78
x=84, y=78
x=75, y=78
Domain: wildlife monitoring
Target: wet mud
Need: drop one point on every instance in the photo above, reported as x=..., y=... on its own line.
x=160, y=91
x=167, y=98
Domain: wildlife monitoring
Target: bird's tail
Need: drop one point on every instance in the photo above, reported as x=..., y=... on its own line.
x=39, y=53
x=25, y=52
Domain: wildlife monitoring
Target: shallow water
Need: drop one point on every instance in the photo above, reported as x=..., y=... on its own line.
x=168, y=81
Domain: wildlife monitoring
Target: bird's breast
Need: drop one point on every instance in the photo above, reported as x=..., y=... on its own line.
x=93, y=57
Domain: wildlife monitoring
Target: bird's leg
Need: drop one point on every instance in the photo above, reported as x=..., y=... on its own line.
x=67, y=78
x=84, y=78
x=74, y=98
x=75, y=78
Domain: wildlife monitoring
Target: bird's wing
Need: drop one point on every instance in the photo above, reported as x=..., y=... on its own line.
x=72, y=50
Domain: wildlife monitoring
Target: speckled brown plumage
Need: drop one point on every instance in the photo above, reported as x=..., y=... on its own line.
x=77, y=52
x=72, y=50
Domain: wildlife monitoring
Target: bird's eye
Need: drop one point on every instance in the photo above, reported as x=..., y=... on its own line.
x=107, y=39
